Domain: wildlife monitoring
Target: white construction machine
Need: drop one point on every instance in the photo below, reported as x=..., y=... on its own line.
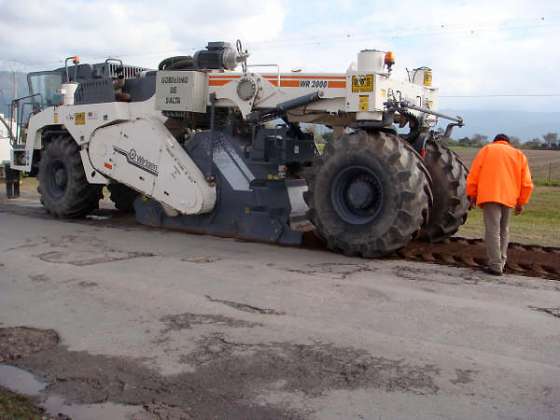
x=197, y=146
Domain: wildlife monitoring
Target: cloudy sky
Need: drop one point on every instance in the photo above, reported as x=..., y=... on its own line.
x=476, y=47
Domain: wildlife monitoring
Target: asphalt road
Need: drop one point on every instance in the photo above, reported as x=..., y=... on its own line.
x=184, y=326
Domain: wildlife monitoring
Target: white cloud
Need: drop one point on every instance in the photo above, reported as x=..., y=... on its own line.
x=36, y=34
x=474, y=47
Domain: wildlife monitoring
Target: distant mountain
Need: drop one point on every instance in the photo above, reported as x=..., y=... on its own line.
x=6, y=89
x=524, y=125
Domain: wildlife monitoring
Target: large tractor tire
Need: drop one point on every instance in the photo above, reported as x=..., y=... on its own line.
x=368, y=194
x=65, y=191
x=122, y=197
x=449, y=187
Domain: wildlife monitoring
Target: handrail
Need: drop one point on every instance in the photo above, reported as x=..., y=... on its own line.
x=19, y=115
x=108, y=63
x=76, y=60
x=9, y=128
x=269, y=65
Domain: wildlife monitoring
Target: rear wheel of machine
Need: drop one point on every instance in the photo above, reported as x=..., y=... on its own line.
x=122, y=197
x=65, y=191
x=368, y=194
x=449, y=187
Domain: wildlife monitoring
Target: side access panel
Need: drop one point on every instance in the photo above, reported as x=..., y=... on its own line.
x=251, y=204
x=145, y=156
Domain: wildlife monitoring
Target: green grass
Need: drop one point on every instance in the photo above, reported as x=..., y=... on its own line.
x=17, y=407
x=539, y=223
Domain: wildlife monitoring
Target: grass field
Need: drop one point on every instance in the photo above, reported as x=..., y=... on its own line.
x=545, y=164
x=540, y=223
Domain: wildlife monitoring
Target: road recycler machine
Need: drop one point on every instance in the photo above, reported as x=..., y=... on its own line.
x=196, y=145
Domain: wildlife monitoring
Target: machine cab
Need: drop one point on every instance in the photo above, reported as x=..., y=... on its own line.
x=44, y=86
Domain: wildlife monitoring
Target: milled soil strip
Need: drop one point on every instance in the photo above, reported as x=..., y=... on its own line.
x=528, y=260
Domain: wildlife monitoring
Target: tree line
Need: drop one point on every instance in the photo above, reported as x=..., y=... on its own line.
x=548, y=141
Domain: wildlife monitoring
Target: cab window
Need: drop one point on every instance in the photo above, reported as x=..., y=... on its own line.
x=47, y=84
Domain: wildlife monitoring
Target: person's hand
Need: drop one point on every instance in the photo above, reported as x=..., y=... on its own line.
x=518, y=209
x=472, y=203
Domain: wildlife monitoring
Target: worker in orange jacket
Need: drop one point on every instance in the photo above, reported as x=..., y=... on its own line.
x=498, y=181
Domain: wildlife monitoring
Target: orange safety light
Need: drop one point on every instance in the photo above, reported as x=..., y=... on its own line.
x=389, y=58
x=76, y=59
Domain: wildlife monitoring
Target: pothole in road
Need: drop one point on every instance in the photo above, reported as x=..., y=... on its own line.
x=309, y=368
x=464, y=376
x=18, y=342
x=33, y=405
x=19, y=380
x=338, y=271
x=187, y=320
x=434, y=275
x=555, y=312
x=78, y=250
x=244, y=307
x=229, y=377
x=39, y=278
x=201, y=259
x=83, y=258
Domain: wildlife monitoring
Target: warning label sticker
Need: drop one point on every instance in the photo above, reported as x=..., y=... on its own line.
x=364, y=103
x=362, y=83
x=80, y=118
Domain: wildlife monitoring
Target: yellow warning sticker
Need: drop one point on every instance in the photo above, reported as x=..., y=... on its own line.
x=55, y=118
x=362, y=83
x=364, y=103
x=427, y=78
x=80, y=118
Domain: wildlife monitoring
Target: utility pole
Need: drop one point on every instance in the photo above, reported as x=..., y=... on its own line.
x=14, y=84
x=14, y=109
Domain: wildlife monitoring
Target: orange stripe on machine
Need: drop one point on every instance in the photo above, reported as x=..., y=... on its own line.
x=219, y=82
x=289, y=81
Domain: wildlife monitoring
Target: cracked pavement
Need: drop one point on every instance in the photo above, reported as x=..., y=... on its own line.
x=188, y=326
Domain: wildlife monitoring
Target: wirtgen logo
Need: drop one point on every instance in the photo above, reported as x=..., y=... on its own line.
x=137, y=160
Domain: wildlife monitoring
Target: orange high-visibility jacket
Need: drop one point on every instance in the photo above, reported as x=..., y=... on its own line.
x=500, y=174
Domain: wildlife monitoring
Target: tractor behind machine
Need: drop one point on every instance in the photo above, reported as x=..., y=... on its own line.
x=197, y=146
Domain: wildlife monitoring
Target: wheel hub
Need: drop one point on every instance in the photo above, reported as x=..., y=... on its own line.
x=60, y=178
x=57, y=179
x=357, y=195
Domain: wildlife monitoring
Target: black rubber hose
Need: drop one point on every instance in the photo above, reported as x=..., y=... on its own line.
x=180, y=62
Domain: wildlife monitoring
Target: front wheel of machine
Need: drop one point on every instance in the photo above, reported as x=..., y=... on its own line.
x=65, y=191
x=368, y=194
x=449, y=187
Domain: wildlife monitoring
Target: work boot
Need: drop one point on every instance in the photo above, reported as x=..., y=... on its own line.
x=493, y=271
